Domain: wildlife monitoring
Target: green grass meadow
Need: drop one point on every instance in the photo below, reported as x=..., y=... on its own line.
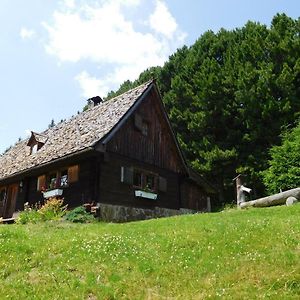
x=251, y=254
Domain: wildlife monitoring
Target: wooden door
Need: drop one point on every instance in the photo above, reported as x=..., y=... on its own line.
x=2, y=200
x=10, y=203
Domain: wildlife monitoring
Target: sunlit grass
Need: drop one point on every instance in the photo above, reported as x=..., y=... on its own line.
x=252, y=254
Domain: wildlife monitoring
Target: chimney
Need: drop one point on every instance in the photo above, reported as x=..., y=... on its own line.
x=94, y=101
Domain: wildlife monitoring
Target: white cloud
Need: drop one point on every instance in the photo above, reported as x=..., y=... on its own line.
x=128, y=2
x=26, y=34
x=102, y=34
x=91, y=86
x=69, y=3
x=162, y=21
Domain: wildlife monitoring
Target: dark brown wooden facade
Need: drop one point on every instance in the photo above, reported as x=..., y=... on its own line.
x=139, y=153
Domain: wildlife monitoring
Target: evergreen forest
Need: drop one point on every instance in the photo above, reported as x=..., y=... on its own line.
x=232, y=99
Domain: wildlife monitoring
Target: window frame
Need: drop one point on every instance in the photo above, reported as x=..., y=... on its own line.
x=141, y=124
x=53, y=179
x=144, y=174
x=34, y=148
x=63, y=173
x=140, y=174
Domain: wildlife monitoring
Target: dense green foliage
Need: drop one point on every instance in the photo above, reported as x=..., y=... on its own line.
x=284, y=170
x=28, y=216
x=79, y=215
x=53, y=209
x=249, y=254
x=229, y=95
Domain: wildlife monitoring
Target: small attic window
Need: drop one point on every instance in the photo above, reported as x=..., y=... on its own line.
x=141, y=124
x=36, y=142
x=34, y=149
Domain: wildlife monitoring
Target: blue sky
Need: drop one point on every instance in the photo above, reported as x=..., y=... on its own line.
x=54, y=54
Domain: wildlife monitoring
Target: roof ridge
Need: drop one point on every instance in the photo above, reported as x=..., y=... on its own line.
x=75, y=118
x=147, y=83
x=131, y=90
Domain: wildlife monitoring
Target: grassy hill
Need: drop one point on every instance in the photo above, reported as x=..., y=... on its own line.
x=252, y=254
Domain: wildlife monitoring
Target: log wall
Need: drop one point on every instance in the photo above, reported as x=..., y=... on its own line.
x=157, y=146
x=113, y=191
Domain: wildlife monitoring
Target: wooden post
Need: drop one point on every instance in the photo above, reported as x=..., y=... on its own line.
x=240, y=197
x=240, y=190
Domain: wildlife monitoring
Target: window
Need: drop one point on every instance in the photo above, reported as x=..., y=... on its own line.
x=150, y=182
x=58, y=179
x=41, y=183
x=142, y=179
x=138, y=121
x=34, y=149
x=53, y=181
x=141, y=124
x=36, y=142
x=137, y=178
x=64, y=178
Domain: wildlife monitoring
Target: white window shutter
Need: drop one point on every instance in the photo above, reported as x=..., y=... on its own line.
x=127, y=175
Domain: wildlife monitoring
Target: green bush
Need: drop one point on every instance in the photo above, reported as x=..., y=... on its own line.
x=284, y=167
x=53, y=209
x=79, y=215
x=28, y=216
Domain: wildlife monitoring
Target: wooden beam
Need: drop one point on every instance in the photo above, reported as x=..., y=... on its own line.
x=277, y=199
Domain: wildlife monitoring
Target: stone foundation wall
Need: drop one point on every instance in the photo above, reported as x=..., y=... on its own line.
x=116, y=213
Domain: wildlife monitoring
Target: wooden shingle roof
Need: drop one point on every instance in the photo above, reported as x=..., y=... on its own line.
x=80, y=132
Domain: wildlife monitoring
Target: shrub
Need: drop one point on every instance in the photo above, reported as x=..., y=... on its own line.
x=284, y=167
x=79, y=215
x=53, y=209
x=28, y=216
x=229, y=207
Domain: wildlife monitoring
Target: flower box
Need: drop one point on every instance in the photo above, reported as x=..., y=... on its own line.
x=53, y=193
x=147, y=195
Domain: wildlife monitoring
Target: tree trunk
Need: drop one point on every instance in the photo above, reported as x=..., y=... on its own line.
x=276, y=199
